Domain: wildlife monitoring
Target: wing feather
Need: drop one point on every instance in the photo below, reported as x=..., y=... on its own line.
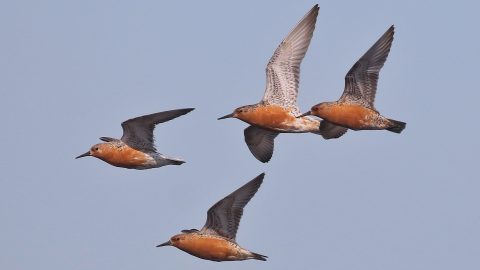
x=361, y=80
x=283, y=69
x=260, y=142
x=223, y=218
x=138, y=132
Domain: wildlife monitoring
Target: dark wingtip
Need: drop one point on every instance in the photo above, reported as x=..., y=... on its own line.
x=185, y=110
x=258, y=180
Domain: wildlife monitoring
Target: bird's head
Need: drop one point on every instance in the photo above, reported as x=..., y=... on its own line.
x=317, y=110
x=98, y=150
x=239, y=113
x=176, y=241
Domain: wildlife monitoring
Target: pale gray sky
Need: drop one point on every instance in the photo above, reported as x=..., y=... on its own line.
x=72, y=71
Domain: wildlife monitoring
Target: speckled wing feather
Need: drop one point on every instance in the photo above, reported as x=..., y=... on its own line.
x=138, y=132
x=283, y=69
x=260, y=142
x=224, y=217
x=361, y=80
x=329, y=130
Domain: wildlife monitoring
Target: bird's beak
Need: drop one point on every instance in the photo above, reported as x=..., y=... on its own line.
x=84, y=155
x=305, y=114
x=168, y=243
x=226, y=116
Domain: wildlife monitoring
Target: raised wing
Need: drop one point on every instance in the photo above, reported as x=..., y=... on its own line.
x=224, y=217
x=138, y=132
x=283, y=69
x=260, y=142
x=361, y=80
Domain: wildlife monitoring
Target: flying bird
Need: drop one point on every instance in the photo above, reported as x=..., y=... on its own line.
x=216, y=240
x=355, y=109
x=278, y=110
x=136, y=149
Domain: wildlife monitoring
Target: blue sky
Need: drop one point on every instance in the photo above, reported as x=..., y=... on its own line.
x=72, y=71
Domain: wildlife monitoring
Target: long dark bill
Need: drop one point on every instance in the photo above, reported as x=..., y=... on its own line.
x=84, y=155
x=305, y=114
x=168, y=243
x=230, y=115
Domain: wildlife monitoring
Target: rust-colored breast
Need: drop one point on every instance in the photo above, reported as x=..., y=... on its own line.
x=348, y=115
x=209, y=248
x=125, y=157
x=269, y=116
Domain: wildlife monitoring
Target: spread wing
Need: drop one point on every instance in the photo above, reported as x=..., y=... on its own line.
x=361, y=80
x=138, y=132
x=283, y=69
x=224, y=217
x=260, y=142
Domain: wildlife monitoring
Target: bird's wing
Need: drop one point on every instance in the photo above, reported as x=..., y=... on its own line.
x=361, y=80
x=138, y=132
x=329, y=130
x=224, y=217
x=260, y=142
x=108, y=139
x=283, y=69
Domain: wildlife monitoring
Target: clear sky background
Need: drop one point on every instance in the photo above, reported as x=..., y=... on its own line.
x=72, y=71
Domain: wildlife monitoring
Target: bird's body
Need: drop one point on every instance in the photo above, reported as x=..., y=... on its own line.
x=355, y=109
x=213, y=247
x=279, y=119
x=216, y=240
x=135, y=150
x=277, y=111
x=353, y=116
x=121, y=155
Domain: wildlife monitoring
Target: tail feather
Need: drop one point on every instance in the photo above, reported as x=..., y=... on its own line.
x=176, y=161
x=259, y=257
x=396, y=126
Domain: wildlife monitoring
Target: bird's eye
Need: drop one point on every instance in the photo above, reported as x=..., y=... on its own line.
x=176, y=239
x=95, y=149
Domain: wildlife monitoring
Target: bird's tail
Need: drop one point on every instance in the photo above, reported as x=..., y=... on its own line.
x=396, y=126
x=175, y=161
x=257, y=256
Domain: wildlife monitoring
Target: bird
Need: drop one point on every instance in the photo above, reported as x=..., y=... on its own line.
x=278, y=110
x=355, y=109
x=136, y=149
x=216, y=240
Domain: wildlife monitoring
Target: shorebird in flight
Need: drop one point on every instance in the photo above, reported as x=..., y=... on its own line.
x=216, y=240
x=278, y=111
x=136, y=149
x=355, y=109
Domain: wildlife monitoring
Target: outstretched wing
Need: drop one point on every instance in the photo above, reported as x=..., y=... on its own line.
x=260, y=142
x=283, y=69
x=224, y=217
x=361, y=80
x=138, y=132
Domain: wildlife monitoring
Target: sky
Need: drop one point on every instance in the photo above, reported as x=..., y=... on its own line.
x=72, y=71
